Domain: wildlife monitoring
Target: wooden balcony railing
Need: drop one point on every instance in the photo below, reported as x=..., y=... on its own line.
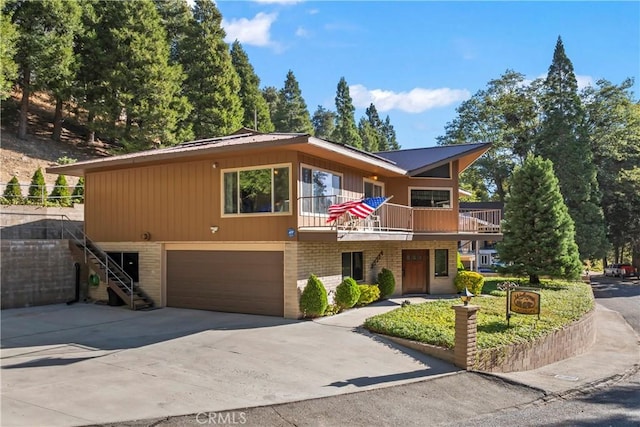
x=313, y=214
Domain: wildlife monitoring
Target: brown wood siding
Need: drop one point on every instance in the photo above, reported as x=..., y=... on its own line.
x=178, y=201
x=231, y=281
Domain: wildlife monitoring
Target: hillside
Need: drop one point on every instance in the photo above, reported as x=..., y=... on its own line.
x=22, y=157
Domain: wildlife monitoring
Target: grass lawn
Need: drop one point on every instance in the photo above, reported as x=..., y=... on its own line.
x=433, y=322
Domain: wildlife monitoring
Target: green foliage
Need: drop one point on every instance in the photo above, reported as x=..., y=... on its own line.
x=291, y=114
x=347, y=293
x=13, y=192
x=37, y=188
x=78, y=192
x=8, y=66
x=346, y=131
x=459, y=262
x=434, y=322
x=368, y=294
x=66, y=160
x=386, y=283
x=563, y=139
x=470, y=280
x=323, y=121
x=253, y=103
x=60, y=193
x=538, y=231
x=313, y=301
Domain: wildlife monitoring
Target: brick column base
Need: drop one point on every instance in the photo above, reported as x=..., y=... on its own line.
x=464, y=350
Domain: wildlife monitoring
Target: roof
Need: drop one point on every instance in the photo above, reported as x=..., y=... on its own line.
x=419, y=160
x=402, y=162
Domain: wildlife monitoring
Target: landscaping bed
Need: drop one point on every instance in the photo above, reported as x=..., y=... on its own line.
x=562, y=303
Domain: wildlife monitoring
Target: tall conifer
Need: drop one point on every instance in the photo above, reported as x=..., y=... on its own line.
x=346, y=131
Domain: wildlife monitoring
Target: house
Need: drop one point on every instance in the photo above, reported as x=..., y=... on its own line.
x=480, y=255
x=238, y=223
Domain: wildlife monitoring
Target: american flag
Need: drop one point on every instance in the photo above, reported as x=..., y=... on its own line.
x=360, y=208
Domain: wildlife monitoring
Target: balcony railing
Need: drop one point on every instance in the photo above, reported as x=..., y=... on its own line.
x=313, y=215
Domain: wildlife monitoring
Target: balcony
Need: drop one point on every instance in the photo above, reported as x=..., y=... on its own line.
x=391, y=218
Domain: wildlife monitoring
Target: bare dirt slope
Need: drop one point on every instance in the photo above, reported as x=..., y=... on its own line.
x=23, y=157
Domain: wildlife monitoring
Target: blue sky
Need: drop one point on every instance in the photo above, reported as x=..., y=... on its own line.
x=417, y=61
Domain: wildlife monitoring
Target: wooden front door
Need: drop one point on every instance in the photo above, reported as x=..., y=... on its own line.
x=414, y=271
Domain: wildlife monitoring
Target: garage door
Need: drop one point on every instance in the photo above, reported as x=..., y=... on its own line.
x=238, y=282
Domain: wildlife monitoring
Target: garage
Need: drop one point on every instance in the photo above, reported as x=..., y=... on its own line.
x=232, y=281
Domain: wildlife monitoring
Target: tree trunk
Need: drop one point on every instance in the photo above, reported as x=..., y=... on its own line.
x=57, y=120
x=534, y=279
x=91, y=136
x=24, y=104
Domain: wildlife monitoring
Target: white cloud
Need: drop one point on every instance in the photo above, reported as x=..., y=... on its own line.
x=313, y=11
x=254, y=31
x=416, y=100
x=302, y=32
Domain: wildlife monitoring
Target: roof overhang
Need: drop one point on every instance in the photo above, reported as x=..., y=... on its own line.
x=465, y=159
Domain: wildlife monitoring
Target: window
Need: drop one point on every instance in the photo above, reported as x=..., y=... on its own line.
x=426, y=198
x=373, y=189
x=443, y=171
x=250, y=191
x=442, y=262
x=319, y=190
x=352, y=265
x=128, y=261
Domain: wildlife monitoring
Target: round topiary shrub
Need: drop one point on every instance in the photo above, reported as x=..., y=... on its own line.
x=368, y=294
x=347, y=293
x=386, y=283
x=313, y=301
x=470, y=280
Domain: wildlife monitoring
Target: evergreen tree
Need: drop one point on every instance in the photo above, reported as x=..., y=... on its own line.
x=176, y=18
x=323, y=122
x=254, y=105
x=563, y=139
x=78, y=192
x=538, y=231
x=8, y=37
x=390, y=141
x=212, y=85
x=291, y=113
x=369, y=136
x=13, y=191
x=44, y=47
x=37, y=188
x=271, y=95
x=60, y=193
x=346, y=131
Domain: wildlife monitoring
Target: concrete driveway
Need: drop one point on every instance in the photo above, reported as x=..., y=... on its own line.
x=85, y=364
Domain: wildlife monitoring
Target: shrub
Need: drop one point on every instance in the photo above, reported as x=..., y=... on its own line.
x=347, y=293
x=470, y=280
x=13, y=192
x=60, y=193
x=313, y=301
x=78, y=192
x=368, y=294
x=460, y=264
x=37, y=188
x=386, y=283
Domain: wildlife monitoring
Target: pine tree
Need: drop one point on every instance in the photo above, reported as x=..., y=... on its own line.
x=346, y=131
x=212, y=85
x=323, y=122
x=538, y=231
x=44, y=47
x=271, y=96
x=37, y=188
x=176, y=18
x=254, y=105
x=291, y=113
x=390, y=141
x=8, y=37
x=369, y=136
x=563, y=139
x=78, y=192
x=13, y=191
x=60, y=193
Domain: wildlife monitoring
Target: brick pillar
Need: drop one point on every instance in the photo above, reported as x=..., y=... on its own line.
x=464, y=350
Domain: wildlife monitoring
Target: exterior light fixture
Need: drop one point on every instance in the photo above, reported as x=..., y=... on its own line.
x=214, y=229
x=466, y=296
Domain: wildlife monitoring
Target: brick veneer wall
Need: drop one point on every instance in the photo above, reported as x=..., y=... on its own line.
x=36, y=272
x=558, y=345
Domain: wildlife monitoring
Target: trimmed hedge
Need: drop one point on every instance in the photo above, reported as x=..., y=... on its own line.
x=313, y=301
x=470, y=280
x=347, y=293
x=368, y=294
x=386, y=283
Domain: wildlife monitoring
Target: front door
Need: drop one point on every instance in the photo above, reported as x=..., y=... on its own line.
x=414, y=271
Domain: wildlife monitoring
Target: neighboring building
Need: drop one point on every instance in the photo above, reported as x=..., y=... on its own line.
x=480, y=254
x=238, y=223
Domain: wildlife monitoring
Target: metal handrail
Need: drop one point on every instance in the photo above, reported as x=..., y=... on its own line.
x=44, y=197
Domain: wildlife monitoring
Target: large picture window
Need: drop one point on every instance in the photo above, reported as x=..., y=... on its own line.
x=352, y=265
x=430, y=198
x=442, y=263
x=319, y=189
x=251, y=191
